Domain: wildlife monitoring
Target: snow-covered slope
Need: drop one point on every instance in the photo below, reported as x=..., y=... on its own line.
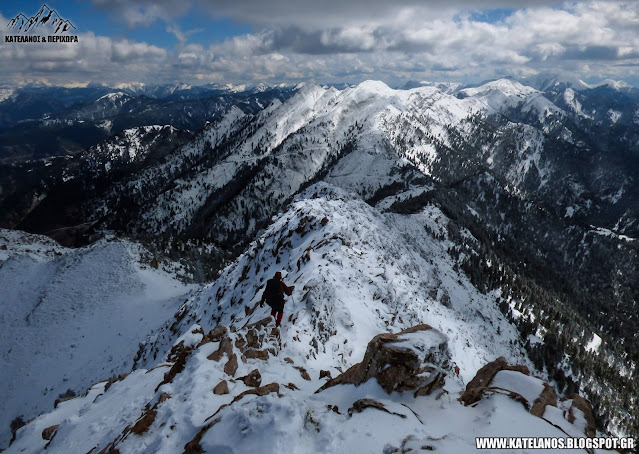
x=358, y=138
x=71, y=317
x=503, y=94
x=319, y=130
x=357, y=273
x=104, y=107
x=127, y=147
x=5, y=93
x=549, y=81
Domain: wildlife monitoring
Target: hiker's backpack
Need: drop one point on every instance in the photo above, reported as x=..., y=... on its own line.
x=273, y=292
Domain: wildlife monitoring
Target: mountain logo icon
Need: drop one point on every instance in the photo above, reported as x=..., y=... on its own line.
x=46, y=17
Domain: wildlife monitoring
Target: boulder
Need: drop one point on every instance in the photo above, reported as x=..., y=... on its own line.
x=253, y=379
x=49, y=432
x=573, y=414
x=226, y=346
x=256, y=354
x=215, y=335
x=231, y=365
x=221, y=388
x=416, y=359
x=483, y=378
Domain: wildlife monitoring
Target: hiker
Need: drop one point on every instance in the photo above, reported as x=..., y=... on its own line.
x=274, y=296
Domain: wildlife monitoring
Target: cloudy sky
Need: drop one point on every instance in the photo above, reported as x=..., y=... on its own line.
x=252, y=41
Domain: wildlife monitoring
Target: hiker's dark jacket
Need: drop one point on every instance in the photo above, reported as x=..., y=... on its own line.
x=274, y=294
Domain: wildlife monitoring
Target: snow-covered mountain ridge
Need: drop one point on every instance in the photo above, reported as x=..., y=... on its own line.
x=315, y=125
x=357, y=273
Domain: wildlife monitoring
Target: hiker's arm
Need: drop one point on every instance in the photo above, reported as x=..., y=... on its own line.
x=288, y=290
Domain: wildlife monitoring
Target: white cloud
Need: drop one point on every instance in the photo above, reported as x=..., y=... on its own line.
x=351, y=41
x=93, y=57
x=127, y=52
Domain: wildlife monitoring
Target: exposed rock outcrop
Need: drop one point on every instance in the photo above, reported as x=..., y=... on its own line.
x=193, y=446
x=484, y=376
x=221, y=388
x=142, y=425
x=231, y=365
x=49, y=432
x=303, y=373
x=325, y=374
x=253, y=379
x=226, y=347
x=578, y=402
x=416, y=359
x=252, y=339
x=256, y=354
x=537, y=396
x=547, y=397
x=179, y=353
x=362, y=404
x=215, y=335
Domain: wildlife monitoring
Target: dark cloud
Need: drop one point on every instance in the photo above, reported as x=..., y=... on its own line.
x=441, y=68
x=592, y=53
x=309, y=13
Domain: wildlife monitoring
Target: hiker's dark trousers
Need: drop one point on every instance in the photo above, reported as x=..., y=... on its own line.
x=277, y=315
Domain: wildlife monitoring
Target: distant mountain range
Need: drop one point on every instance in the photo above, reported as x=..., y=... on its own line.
x=45, y=17
x=39, y=121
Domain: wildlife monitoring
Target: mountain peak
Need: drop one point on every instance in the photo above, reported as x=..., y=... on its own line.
x=130, y=86
x=113, y=96
x=614, y=84
x=547, y=81
x=507, y=86
x=375, y=86
x=446, y=87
